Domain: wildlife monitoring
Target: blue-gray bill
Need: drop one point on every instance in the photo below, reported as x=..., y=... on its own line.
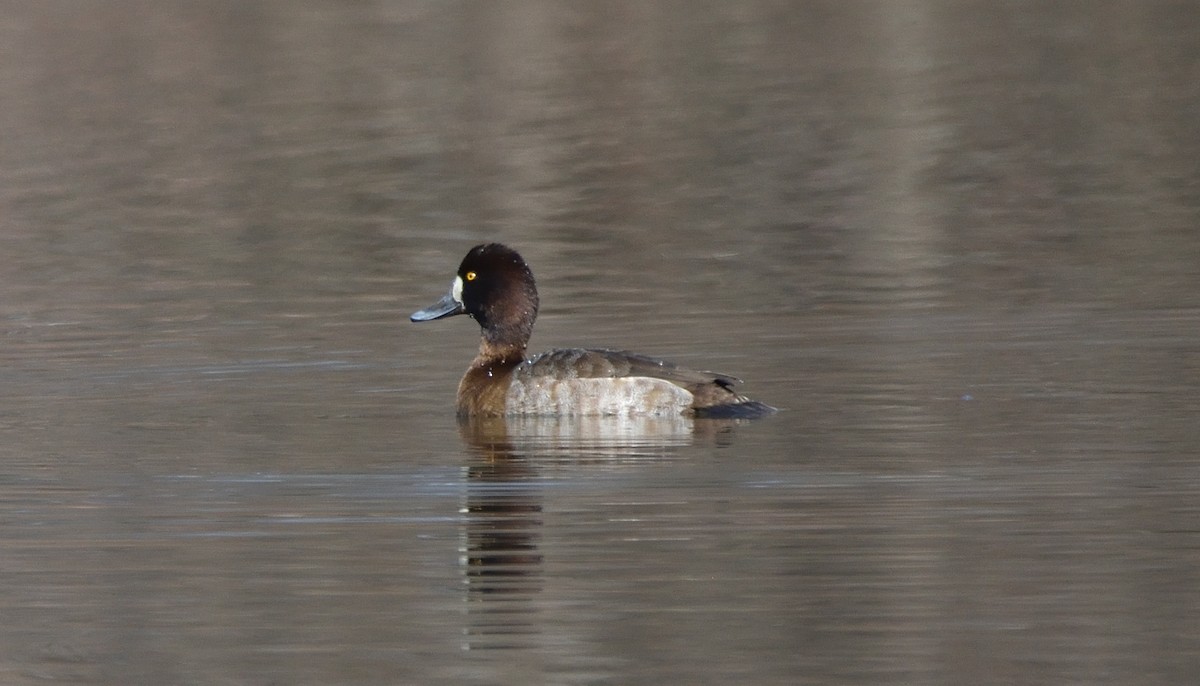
x=446, y=307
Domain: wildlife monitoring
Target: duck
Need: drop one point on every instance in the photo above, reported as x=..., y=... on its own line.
x=495, y=287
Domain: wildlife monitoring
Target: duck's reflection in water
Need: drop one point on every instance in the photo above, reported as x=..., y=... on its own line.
x=502, y=562
x=509, y=462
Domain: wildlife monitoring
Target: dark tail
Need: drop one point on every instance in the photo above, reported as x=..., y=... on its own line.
x=750, y=409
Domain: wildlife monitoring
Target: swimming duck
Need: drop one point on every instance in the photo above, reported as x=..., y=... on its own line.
x=495, y=287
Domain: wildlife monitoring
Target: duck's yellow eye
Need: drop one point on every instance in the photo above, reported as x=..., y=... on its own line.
x=471, y=276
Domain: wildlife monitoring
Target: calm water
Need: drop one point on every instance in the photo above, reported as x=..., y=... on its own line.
x=958, y=243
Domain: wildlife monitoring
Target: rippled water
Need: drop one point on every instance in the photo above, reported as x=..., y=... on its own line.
x=955, y=242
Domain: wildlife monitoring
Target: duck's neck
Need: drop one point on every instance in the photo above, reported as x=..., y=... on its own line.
x=494, y=354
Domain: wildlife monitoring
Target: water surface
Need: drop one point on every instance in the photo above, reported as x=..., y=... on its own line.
x=955, y=242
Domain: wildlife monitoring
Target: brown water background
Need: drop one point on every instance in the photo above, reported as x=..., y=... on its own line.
x=957, y=242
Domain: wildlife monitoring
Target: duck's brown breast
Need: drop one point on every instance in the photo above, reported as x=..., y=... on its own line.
x=483, y=390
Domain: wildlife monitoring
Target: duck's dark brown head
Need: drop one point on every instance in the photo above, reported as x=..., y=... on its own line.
x=496, y=288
